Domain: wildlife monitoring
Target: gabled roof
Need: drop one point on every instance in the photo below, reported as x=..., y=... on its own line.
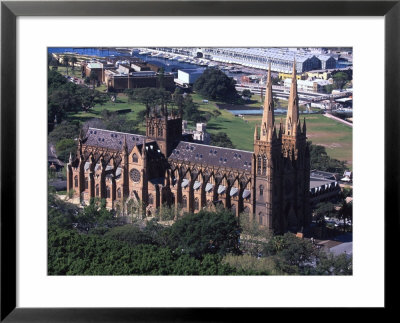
x=212, y=155
x=112, y=139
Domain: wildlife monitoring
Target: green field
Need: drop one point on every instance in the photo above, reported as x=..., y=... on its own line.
x=336, y=137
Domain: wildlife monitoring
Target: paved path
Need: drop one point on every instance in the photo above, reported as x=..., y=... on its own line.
x=338, y=119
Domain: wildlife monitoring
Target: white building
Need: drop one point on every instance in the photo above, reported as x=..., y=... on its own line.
x=316, y=85
x=200, y=135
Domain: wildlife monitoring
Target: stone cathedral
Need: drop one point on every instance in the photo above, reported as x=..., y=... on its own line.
x=270, y=184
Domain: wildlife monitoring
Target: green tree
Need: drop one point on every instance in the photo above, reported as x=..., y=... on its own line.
x=329, y=264
x=320, y=160
x=66, y=62
x=161, y=77
x=215, y=85
x=221, y=139
x=73, y=60
x=95, y=216
x=65, y=130
x=247, y=93
x=206, y=233
x=93, y=78
x=64, y=148
x=340, y=79
x=292, y=255
x=345, y=213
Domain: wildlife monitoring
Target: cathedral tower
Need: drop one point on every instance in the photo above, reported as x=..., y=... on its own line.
x=267, y=156
x=296, y=164
x=164, y=128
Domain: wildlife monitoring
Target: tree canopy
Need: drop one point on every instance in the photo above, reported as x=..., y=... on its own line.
x=216, y=85
x=221, y=139
x=65, y=97
x=319, y=159
x=206, y=233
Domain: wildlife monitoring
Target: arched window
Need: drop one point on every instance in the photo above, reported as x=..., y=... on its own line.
x=159, y=131
x=246, y=210
x=259, y=165
x=108, y=194
x=86, y=183
x=233, y=209
x=119, y=193
x=134, y=158
x=97, y=190
x=184, y=201
x=151, y=200
x=260, y=218
x=264, y=165
x=76, y=180
x=196, y=203
x=261, y=190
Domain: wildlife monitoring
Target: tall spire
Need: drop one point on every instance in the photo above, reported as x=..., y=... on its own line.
x=268, y=120
x=293, y=106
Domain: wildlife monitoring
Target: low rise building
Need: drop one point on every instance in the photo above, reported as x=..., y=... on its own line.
x=187, y=77
x=316, y=85
x=133, y=80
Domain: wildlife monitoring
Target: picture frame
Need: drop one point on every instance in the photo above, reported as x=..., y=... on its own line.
x=10, y=10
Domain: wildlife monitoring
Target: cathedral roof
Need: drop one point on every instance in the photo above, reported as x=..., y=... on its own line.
x=212, y=155
x=112, y=139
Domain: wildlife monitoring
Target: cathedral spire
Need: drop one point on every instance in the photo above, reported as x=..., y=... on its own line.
x=268, y=120
x=293, y=106
x=256, y=133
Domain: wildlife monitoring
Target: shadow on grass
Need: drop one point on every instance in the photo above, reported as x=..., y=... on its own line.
x=215, y=127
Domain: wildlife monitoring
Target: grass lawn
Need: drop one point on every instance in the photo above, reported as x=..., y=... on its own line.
x=336, y=137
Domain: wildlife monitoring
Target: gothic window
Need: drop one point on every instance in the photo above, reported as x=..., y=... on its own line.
x=246, y=210
x=259, y=165
x=260, y=218
x=119, y=193
x=160, y=131
x=184, y=201
x=261, y=190
x=108, y=192
x=151, y=200
x=134, y=158
x=264, y=165
x=135, y=175
x=86, y=183
x=196, y=203
x=233, y=209
x=97, y=190
x=76, y=180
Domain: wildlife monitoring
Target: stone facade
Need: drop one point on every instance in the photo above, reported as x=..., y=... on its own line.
x=270, y=184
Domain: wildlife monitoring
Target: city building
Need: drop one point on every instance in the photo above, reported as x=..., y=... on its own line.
x=199, y=135
x=327, y=61
x=96, y=67
x=271, y=183
x=187, y=77
x=316, y=85
x=280, y=59
x=120, y=81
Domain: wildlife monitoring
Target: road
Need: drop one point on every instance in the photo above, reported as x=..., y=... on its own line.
x=338, y=119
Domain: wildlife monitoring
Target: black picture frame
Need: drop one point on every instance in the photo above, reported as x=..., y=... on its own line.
x=10, y=10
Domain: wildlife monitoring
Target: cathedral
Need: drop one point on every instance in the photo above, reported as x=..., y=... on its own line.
x=271, y=184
